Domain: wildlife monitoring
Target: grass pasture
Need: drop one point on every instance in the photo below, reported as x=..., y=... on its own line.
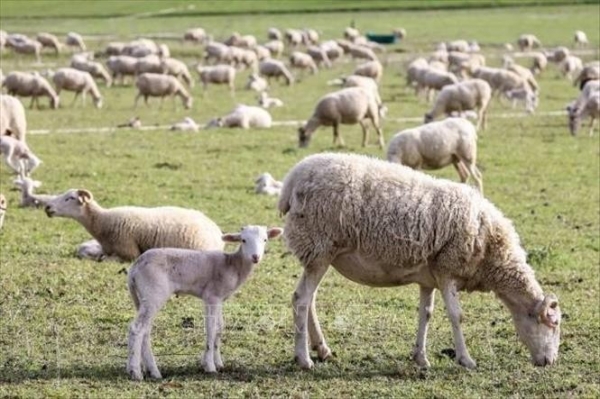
x=63, y=321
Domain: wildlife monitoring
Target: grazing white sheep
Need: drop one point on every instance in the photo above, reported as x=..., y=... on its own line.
x=590, y=71
x=276, y=47
x=303, y=61
x=267, y=102
x=310, y=37
x=319, y=55
x=95, y=69
x=400, y=33
x=12, y=117
x=25, y=46
x=293, y=37
x=461, y=46
x=558, y=54
x=351, y=33
x=243, y=41
x=348, y=106
x=90, y=249
x=332, y=49
x=196, y=35
x=274, y=68
x=140, y=48
x=75, y=40
x=437, y=145
x=50, y=41
x=80, y=82
x=414, y=69
x=177, y=68
x=188, y=124
x=365, y=82
x=474, y=94
x=381, y=224
x=127, y=232
x=30, y=85
x=430, y=80
x=539, y=62
x=212, y=276
x=362, y=52
x=580, y=39
x=274, y=34
x=17, y=155
x=245, y=117
x=257, y=83
x=157, y=85
x=262, y=53
x=371, y=69
x=28, y=197
x=586, y=105
x=121, y=66
x=266, y=184
x=3, y=206
x=150, y=63
x=527, y=42
x=218, y=52
x=114, y=48
x=217, y=74
x=571, y=66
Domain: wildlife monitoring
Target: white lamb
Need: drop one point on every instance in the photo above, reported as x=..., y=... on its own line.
x=580, y=39
x=75, y=40
x=348, y=106
x=80, y=82
x=90, y=249
x=188, y=124
x=245, y=117
x=586, y=105
x=437, y=145
x=30, y=85
x=17, y=155
x=217, y=74
x=157, y=85
x=266, y=184
x=474, y=94
x=381, y=224
x=212, y=276
x=127, y=232
x=267, y=102
x=274, y=68
x=12, y=117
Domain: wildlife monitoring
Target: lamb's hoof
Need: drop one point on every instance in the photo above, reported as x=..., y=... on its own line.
x=323, y=352
x=305, y=364
x=421, y=360
x=136, y=375
x=467, y=362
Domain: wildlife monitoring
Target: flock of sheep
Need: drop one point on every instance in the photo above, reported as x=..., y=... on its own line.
x=413, y=228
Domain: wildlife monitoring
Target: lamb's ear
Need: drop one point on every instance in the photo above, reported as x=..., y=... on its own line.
x=231, y=237
x=84, y=196
x=274, y=232
x=548, y=311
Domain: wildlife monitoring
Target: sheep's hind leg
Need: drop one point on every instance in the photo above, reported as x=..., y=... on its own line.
x=301, y=302
x=450, y=295
x=148, y=356
x=419, y=353
x=317, y=340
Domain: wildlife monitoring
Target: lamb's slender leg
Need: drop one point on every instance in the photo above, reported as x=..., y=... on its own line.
x=419, y=353
x=317, y=340
x=137, y=331
x=220, y=327
x=212, y=311
x=476, y=174
x=301, y=302
x=148, y=356
x=450, y=295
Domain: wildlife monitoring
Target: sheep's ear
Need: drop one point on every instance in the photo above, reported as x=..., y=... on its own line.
x=549, y=312
x=274, y=232
x=84, y=196
x=232, y=237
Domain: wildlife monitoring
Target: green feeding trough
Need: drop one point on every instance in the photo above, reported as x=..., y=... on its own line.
x=382, y=38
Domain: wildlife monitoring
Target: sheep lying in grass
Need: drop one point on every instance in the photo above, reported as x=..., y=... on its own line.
x=381, y=224
x=90, y=249
x=245, y=117
x=212, y=276
x=126, y=232
x=157, y=85
x=80, y=82
x=17, y=155
x=436, y=145
x=30, y=85
x=217, y=74
x=3, y=206
x=12, y=117
x=347, y=106
x=267, y=102
x=474, y=94
x=29, y=199
x=266, y=184
x=188, y=124
x=586, y=105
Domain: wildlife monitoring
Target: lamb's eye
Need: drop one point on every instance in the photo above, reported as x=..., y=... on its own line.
x=244, y=241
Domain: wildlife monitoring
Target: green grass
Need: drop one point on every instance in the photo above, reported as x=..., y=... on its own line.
x=63, y=329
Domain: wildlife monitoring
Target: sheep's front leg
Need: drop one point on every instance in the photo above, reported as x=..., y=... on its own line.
x=317, y=340
x=220, y=327
x=301, y=302
x=212, y=311
x=450, y=295
x=419, y=353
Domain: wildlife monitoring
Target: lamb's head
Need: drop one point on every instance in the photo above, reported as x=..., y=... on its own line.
x=216, y=122
x=303, y=137
x=539, y=330
x=70, y=204
x=253, y=240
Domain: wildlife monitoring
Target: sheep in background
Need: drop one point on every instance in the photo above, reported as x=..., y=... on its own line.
x=302, y=60
x=30, y=85
x=276, y=47
x=75, y=40
x=245, y=117
x=319, y=55
x=463, y=96
x=363, y=53
x=177, y=68
x=590, y=71
x=571, y=66
x=217, y=74
x=267, y=102
x=527, y=42
x=195, y=35
x=371, y=69
x=558, y=54
x=17, y=155
x=26, y=46
x=3, y=207
x=580, y=39
x=12, y=117
x=78, y=81
x=347, y=106
x=400, y=33
x=351, y=33
x=266, y=184
x=127, y=232
x=188, y=124
x=381, y=224
x=212, y=276
x=437, y=145
x=310, y=37
x=539, y=63
x=274, y=34
x=121, y=66
x=114, y=48
x=157, y=85
x=293, y=37
x=586, y=105
x=50, y=41
x=275, y=68
x=95, y=69
x=262, y=52
x=332, y=50
x=257, y=83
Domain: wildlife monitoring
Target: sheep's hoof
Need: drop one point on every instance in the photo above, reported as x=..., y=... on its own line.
x=323, y=352
x=306, y=364
x=421, y=360
x=466, y=362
